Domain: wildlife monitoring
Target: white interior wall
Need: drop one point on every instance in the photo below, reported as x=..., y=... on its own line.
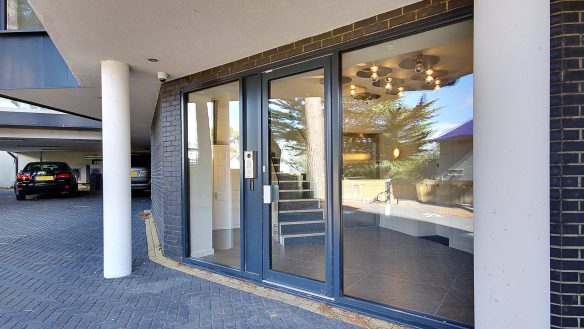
x=200, y=183
x=7, y=170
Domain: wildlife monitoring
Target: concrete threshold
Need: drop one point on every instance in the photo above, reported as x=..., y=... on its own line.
x=341, y=314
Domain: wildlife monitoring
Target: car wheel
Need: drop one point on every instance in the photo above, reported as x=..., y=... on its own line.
x=20, y=197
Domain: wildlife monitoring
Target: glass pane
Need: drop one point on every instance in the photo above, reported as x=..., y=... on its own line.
x=20, y=16
x=297, y=166
x=214, y=175
x=407, y=178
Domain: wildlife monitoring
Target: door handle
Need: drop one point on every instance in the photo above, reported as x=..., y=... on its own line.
x=267, y=194
x=271, y=193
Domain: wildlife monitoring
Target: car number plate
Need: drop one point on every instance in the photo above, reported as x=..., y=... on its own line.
x=44, y=178
x=134, y=173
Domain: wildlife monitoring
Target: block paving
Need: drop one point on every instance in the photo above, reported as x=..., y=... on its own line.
x=51, y=277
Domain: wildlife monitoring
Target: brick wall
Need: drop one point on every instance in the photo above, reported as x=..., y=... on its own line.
x=166, y=130
x=567, y=163
x=166, y=174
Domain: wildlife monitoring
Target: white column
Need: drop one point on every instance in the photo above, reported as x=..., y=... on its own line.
x=511, y=175
x=117, y=199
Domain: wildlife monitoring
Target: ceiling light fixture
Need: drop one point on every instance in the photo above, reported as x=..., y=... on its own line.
x=374, y=75
x=429, y=77
x=400, y=91
x=388, y=86
x=419, y=68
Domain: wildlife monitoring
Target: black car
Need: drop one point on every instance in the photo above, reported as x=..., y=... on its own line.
x=45, y=178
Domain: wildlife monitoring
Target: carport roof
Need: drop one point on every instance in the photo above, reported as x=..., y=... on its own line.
x=184, y=36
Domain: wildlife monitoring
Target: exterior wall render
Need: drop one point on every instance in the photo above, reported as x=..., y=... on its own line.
x=567, y=163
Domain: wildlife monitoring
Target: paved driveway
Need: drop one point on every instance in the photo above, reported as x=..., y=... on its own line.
x=51, y=277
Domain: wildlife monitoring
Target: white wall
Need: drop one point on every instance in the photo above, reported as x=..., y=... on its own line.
x=511, y=173
x=7, y=170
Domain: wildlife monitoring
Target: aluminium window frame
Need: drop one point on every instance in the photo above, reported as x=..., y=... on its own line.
x=411, y=318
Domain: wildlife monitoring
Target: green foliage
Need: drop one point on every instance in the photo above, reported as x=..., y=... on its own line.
x=288, y=128
x=414, y=167
x=403, y=127
x=406, y=128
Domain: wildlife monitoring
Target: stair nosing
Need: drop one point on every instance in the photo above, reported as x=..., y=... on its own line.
x=302, y=235
x=292, y=211
x=296, y=200
x=321, y=221
x=304, y=190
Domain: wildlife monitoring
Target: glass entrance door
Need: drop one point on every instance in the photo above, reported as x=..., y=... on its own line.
x=295, y=176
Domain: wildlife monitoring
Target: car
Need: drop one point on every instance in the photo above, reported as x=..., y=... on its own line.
x=140, y=172
x=45, y=178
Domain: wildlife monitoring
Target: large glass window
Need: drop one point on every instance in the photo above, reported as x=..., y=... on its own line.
x=20, y=16
x=407, y=178
x=214, y=174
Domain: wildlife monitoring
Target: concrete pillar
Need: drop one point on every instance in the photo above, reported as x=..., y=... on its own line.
x=117, y=198
x=511, y=173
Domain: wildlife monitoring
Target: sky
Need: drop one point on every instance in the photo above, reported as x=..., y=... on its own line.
x=455, y=103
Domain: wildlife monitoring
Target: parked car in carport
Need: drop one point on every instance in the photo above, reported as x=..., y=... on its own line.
x=45, y=178
x=140, y=172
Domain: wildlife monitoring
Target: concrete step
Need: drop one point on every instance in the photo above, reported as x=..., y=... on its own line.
x=289, y=177
x=296, y=194
x=300, y=215
x=300, y=204
x=302, y=238
x=293, y=185
x=302, y=227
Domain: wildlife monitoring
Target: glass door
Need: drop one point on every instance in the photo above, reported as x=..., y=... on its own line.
x=295, y=176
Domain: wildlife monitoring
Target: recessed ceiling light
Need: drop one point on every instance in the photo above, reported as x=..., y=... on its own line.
x=153, y=60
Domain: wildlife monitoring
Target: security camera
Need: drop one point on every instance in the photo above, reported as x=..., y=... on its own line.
x=162, y=76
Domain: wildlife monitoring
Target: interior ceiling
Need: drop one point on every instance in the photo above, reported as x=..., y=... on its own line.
x=452, y=45
x=185, y=36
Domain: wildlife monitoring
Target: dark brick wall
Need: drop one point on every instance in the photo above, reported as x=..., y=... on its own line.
x=166, y=130
x=166, y=174
x=567, y=163
x=157, y=175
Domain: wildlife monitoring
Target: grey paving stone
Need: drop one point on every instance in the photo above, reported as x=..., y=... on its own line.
x=51, y=277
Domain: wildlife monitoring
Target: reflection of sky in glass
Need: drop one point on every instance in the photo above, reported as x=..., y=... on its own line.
x=455, y=103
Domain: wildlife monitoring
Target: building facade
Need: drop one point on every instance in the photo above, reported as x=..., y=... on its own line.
x=421, y=165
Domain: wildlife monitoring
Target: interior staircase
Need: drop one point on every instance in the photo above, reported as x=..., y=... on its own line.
x=300, y=215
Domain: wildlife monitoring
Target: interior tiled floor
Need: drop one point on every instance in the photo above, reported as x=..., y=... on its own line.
x=384, y=266
x=223, y=255
x=393, y=268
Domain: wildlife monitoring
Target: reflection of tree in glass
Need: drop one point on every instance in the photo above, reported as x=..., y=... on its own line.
x=288, y=128
x=392, y=124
